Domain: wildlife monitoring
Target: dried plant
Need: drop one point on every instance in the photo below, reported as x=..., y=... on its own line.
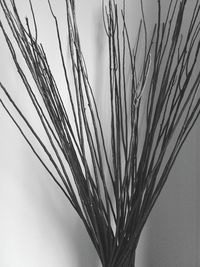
x=114, y=188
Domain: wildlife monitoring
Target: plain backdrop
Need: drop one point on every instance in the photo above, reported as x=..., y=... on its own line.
x=38, y=227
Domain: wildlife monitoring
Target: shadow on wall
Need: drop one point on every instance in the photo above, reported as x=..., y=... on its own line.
x=172, y=231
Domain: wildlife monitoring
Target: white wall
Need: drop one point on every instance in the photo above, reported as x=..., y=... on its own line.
x=37, y=226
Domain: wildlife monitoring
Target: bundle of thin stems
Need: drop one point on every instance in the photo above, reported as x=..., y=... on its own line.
x=113, y=189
